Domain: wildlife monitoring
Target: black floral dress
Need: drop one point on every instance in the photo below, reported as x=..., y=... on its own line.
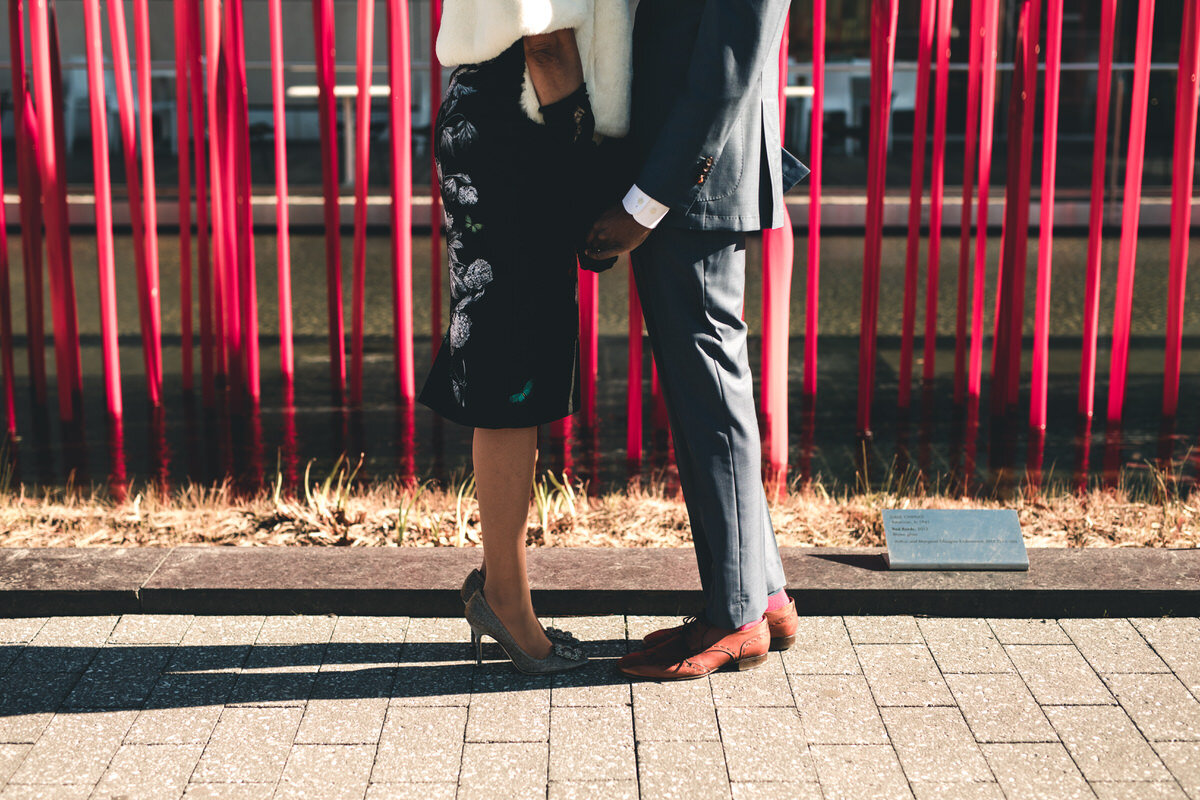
x=514, y=216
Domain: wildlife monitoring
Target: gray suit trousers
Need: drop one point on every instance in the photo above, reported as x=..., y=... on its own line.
x=692, y=286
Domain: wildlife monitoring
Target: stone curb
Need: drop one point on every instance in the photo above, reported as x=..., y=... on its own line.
x=1118, y=582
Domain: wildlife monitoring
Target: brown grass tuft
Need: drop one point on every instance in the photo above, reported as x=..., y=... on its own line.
x=337, y=510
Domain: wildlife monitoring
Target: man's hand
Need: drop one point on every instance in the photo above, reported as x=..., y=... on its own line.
x=616, y=232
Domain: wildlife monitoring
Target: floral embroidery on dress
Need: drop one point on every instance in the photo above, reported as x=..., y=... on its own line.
x=457, y=134
x=458, y=188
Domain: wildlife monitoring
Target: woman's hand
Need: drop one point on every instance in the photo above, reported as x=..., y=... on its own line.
x=554, y=64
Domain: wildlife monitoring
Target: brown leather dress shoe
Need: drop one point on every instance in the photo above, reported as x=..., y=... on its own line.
x=782, y=623
x=702, y=650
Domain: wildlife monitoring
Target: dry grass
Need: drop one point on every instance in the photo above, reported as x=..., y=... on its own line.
x=336, y=510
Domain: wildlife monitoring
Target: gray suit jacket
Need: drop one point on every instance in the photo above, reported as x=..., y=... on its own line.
x=705, y=118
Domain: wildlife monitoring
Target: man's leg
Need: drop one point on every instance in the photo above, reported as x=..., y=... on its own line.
x=691, y=285
x=683, y=459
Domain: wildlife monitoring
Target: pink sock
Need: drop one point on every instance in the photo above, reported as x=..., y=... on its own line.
x=778, y=600
x=774, y=603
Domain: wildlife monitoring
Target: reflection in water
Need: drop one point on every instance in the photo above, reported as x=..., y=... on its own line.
x=937, y=446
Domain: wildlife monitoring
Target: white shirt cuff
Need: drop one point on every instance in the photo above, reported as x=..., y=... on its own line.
x=647, y=211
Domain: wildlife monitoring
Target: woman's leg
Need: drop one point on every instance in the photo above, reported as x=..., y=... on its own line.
x=505, y=460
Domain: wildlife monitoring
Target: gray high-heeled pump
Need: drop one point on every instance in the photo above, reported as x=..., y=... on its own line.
x=484, y=622
x=474, y=583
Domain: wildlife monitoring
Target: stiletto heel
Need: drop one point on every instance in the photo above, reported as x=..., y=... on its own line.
x=483, y=620
x=477, y=645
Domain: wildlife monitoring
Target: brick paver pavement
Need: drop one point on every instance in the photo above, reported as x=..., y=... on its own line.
x=149, y=707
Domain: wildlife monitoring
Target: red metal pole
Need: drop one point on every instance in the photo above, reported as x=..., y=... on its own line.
x=362, y=162
x=141, y=36
x=230, y=266
x=28, y=182
x=6, y=335
x=106, y=263
x=986, y=115
x=1005, y=280
x=1029, y=100
x=1041, y=321
x=248, y=280
x=925, y=34
x=400, y=122
x=212, y=40
x=633, y=388
x=435, y=194
x=133, y=183
x=1186, y=84
x=1127, y=259
x=1091, y=302
x=816, y=155
x=778, y=255
x=589, y=316
x=883, y=36
x=57, y=239
x=70, y=310
x=937, y=185
x=283, y=248
x=227, y=138
x=327, y=107
x=216, y=137
x=182, y=119
x=968, y=197
x=204, y=266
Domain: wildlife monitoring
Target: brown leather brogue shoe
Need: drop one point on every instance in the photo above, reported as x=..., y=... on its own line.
x=782, y=623
x=701, y=651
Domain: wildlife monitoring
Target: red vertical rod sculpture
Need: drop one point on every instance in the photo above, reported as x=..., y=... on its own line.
x=400, y=122
x=248, y=281
x=778, y=255
x=816, y=155
x=937, y=185
x=1041, y=319
x=1123, y=308
x=925, y=33
x=1006, y=278
x=968, y=196
x=141, y=38
x=435, y=190
x=283, y=247
x=122, y=74
x=1028, y=100
x=1091, y=302
x=327, y=107
x=203, y=261
x=226, y=187
x=182, y=118
x=633, y=389
x=883, y=38
x=57, y=237
x=987, y=96
x=67, y=298
x=6, y=329
x=362, y=163
x=106, y=264
x=28, y=182
x=212, y=40
x=1186, y=84
x=226, y=127
x=589, y=334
